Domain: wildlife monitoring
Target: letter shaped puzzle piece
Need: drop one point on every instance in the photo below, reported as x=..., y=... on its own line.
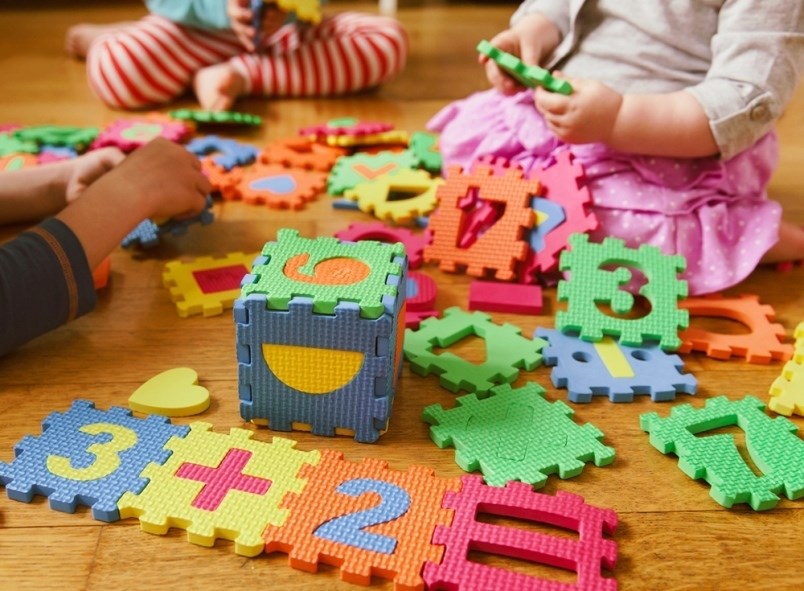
x=516, y=435
x=401, y=196
x=130, y=134
x=584, y=555
x=365, y=519
x=607, y=368
x=772, y=445
x=760, y=345
x=590, y=283
x=787, y=391
x=86, y=456
x=507, y=351
x=504, y=245
x=218, y=485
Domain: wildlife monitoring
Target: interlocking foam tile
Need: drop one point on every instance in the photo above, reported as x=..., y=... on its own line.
x=216, y=117
x=49, y=153
x=365, y=519
x=515, y=298
x=18, y=162
x=328, y=271
x=346, y=126
x=507, y=351
x=300, y=152
x=607, y=368
x=226, y=153
x=772, y=445
x=424, y=146
x=305, y=10
x=516, y=435
x=11, y=145
x=148, y=233
x=394, y=136
x=787, y=390
x=350, y=171
x=420, y=302
x=279, y=187
x=584, y=555
x=414, y=243
x=88, y=457
x=206, y=285
x=401, y=196
x=130, y=134
x=528, y=76
x=223, y=181
x=760, y=345
x=78, y=138
x=220, y=486
x=590, y=284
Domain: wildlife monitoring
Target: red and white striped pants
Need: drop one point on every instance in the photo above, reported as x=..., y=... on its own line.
x=153, y=61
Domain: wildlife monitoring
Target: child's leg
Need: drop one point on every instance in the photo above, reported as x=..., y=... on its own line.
x=80, y=37
x=345, y=53
x=790, y=246
x=153, y=61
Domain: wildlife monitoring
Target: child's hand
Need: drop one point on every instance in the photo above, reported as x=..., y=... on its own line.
x=88, y=168
x=587, y=115
x=241, y=18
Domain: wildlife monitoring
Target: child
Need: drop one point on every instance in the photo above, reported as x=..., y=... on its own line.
x=671, y=116
x=211, y=45
x=96, y=200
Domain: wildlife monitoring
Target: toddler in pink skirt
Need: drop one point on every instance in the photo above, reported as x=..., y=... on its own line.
x=671, y=116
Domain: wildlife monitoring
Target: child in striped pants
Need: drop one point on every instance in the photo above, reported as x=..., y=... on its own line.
x=210, y=44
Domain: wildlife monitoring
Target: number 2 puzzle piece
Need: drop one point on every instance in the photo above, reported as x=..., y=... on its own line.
x=218, y=485
x=279, y=187
x=365, y=519
x=87, y=456
x=607, y=368
x=400, y=196
x=772, y=445
x=507, y=351
x=760, y=345
x=206, y=285
x=504, y=244
x=590, y=283
x=585, y=554
x=528, y=76
x=516, y=435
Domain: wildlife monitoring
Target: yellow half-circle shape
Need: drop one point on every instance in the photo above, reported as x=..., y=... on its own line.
x=310, y=369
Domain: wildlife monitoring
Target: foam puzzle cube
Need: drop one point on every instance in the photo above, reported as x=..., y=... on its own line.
x=319, y=329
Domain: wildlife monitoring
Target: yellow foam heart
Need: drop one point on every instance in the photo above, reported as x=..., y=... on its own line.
x=172, y=393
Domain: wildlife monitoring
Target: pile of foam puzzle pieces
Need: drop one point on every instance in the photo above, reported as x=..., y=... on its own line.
x=354, y=306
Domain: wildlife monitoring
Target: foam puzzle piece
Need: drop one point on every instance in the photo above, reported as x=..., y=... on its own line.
x=218, y=485
x=607, y=368
x=772, y=445
x=279, y=187
x=516, y=435
x=130, y=134
x=224, y=182
x=12, y=145
x=585, y=555
x=327, y=270
x=421, y=296
x=514, y=298
x=148, y=233
x=528, y=76
x=381, y=232
x=206, y=285
x=48, y=153
x=346, y=126
x=78, y=138
x=226, y=153
x=172, y=393
x=787, y=390
x=87, y=456
x=761, y=344
x=400, y=196
x=350, y=171
x=503, y=246
x=100, y=274
x=300, y=152
x=507, y=351
x=424, y=146
x=393, y=136
x=333, y=372
x=365, y=519
x=590, y=284
x=18, y=161
x=202, y=117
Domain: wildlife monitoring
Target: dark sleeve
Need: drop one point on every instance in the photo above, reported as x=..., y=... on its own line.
x=45, y=281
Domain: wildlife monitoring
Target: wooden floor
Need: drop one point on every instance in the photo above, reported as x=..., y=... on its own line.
x=671, y=534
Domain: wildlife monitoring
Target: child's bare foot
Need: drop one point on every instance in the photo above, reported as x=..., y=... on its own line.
x=217, y=87
x=790, y=246
x=80, y=37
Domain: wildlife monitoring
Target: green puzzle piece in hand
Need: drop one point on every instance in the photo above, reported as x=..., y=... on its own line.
x=529, y=76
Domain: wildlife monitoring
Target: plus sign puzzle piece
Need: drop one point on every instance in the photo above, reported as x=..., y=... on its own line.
x=516, y=435
x=365, y=519
x=590, y=284
x=218, y=485
x=87, y=456
x=584, y=555
x=607, y=368
x=507, y=351
x=772, y=445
